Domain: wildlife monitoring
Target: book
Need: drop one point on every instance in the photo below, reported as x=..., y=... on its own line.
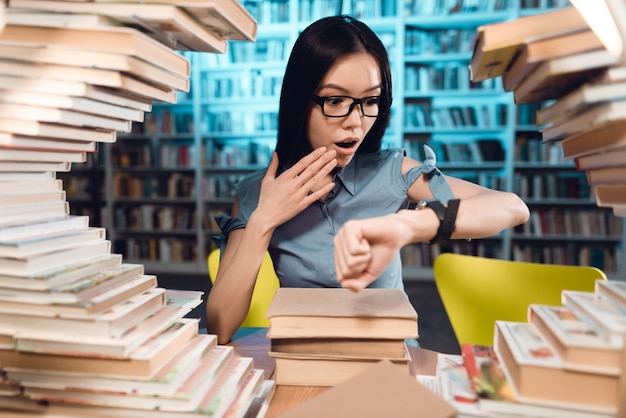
x=28, y=166
x=68, y=223
x=38, y=263
x=593, y=117
x=98, y=303
x=558, y=76
x=313, y=313
x=607, y=175
x=41, y=244
x=43, y=184
x=28, y=155
x=534, y=52
x=574, y=339
x=126, y=64
x=79, y=104
x=612, y=289
x=113, y=322
x=204, y=379
x=143, y=363
x=603, y=137
x=24, y=197
x=129, y=98
x=240, y=405
x=588, y=94
x=11, y=140
x=63, y=116
x=537, y=375
x=379, y=390
x=325, y=370
x=610, y=194
x=166, y=23
x=353, y=347
x=87, y=291
x=32, y=213
x=58, y=276
x=609, y=158
x=179, y=303
x=54, y=131
x=606, y=316
x=164, y=382
x=497, y=43
x=497, y=397
x=122, y=40
x=228, y=18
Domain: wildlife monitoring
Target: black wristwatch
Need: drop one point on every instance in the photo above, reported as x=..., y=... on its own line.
x=446, y=215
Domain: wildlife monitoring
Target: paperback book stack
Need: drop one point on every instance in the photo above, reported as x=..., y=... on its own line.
x=574, y=68
x=566, y=361
x=321, y=337
x=82, y=333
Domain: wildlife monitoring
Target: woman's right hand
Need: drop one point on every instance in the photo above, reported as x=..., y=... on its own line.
x=283, y=197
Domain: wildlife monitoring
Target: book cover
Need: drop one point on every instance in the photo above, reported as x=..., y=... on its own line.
x=607, y=317
x=536, y=373
x=166, y=23
x=41, y=244
x=558, y=76
x=611, y=158
x=12, y=140
x=610, y=194
x=497, y=43
x=325, y=370
x=35, y=129
x=68, y=223
x=36, y=264
x=575, y=340
x=113, y=322
x=602, y=137
x=349, y=347
x=612, y=289
x=59, y=276
x=607, y=175
x=162, y=347
x=533, y=53
x=164, y=382
x=379, y=390
x=370, y=313
x=121, y=40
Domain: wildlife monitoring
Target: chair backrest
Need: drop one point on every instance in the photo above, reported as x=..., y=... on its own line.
x=477, y=291
x=264, y=289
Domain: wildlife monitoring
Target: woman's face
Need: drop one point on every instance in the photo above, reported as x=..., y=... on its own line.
x=357, y=76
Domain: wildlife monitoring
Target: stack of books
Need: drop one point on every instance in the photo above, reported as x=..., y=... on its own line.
x=321, y=337
x=571, y=69
x=565, y=361
x=82, y=333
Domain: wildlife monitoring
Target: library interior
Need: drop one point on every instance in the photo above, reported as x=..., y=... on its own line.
x=143, y=187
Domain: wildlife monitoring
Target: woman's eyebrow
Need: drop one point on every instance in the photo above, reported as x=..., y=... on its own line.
x=343, y=89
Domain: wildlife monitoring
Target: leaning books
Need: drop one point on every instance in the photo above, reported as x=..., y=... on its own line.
x=537, y=373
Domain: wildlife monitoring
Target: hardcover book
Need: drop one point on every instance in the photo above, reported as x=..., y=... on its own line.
x=578, y=344
x=331, y=313
x=537, y=374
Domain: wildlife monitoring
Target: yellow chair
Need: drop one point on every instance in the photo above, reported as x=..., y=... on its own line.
x=477, y=291
x=264, y=289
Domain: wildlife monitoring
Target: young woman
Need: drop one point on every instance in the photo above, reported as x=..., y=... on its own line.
x=331, y=193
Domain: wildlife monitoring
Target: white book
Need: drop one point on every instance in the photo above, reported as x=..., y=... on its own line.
x=36, y=264
x=605, y=315
x=36, y=155
x=69, y=223
x=113, y=322
x=614, y=290
x=40, y=244
x=33, y=213
x=164, y=383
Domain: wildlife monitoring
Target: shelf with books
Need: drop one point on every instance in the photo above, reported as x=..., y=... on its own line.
x=226, y=124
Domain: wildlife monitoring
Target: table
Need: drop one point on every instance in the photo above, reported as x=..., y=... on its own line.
x=252, y=342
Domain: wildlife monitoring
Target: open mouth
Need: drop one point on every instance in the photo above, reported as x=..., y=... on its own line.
x=346, y=144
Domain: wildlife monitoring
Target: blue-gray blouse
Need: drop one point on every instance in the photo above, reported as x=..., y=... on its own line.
x=371, y=185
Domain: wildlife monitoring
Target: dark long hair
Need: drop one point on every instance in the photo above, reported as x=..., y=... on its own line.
x=315, y=51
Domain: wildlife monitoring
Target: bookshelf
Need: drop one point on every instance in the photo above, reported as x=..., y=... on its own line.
x=186, y=157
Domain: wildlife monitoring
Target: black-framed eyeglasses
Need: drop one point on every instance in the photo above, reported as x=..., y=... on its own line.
x=340, y=106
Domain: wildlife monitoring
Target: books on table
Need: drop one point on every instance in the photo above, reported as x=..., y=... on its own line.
x=322, y=337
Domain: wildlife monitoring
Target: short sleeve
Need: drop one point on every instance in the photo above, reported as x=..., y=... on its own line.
x=436, y=180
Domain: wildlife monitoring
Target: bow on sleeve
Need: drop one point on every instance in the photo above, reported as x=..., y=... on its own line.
x=437, y=182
